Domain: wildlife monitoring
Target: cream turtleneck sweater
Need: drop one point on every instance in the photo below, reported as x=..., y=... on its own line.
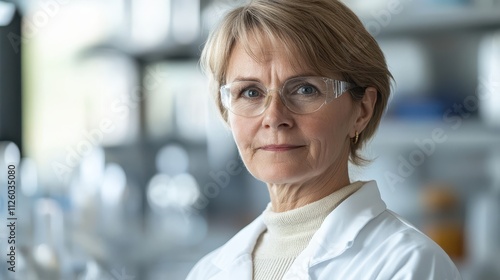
x=288, y=233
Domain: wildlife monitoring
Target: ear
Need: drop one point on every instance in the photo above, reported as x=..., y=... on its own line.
x=365, y=110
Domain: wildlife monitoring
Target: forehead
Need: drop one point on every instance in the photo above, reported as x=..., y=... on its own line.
x=248, y=57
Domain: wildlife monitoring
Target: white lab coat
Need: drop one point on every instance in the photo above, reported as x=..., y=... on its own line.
x=360, y=239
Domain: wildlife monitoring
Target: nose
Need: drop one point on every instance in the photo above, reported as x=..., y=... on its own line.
x=277, y=115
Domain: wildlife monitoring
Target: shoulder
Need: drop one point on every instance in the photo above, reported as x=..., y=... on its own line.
x=405, y=252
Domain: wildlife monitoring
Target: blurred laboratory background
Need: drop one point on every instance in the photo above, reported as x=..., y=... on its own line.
x=124, y=170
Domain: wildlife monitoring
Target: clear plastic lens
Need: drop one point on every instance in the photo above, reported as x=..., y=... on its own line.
x=301, y=95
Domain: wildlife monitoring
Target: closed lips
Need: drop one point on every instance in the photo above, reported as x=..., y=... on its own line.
x=284, y=147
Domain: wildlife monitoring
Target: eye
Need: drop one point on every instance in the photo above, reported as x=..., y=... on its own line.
x=250, y=93
x=307, y=90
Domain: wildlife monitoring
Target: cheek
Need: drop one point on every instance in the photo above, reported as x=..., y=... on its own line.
x=327, y=140
x=242, y=133
x=328, y=135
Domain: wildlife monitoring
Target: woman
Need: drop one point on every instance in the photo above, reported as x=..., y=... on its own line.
x=302, y=86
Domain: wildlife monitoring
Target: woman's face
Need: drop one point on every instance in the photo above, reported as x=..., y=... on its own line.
x=281, y=147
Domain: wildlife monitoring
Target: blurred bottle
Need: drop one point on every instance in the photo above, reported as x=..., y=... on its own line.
x=489, y=79
x=483, y=228
x=443, y=219
x=49, y=252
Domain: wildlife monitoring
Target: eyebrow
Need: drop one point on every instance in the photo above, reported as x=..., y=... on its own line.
x=253, y=79
x=243, y=78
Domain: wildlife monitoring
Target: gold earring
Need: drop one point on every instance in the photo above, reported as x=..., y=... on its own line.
x=356, y=138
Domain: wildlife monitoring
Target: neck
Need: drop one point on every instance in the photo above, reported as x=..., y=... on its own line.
x=285, y=197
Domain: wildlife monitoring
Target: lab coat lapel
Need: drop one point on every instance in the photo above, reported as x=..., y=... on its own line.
x=241, y=268
x=338, y=231
x=341, y=227
x=235, y=257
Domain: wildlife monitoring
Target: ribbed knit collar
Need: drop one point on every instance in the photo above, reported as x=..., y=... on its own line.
x=289, y=232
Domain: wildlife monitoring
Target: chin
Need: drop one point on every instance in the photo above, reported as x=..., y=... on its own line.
x=278, y=174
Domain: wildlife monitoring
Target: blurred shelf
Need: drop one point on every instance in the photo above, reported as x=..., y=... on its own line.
x=470, y=134
x=151, y=54
x=440, y=20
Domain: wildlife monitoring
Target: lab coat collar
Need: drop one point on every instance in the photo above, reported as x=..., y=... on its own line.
x=241, y=245
x=341, y=227
x=335, y=235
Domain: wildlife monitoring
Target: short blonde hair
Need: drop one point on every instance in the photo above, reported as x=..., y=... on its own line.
x=324, y=34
